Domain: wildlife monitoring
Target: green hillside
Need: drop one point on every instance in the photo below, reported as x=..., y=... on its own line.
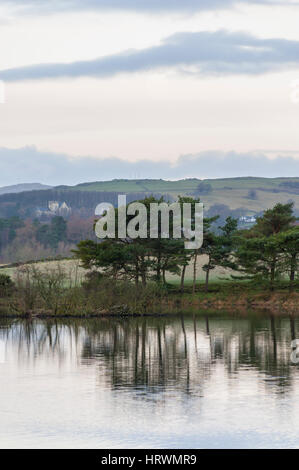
x=248, y=193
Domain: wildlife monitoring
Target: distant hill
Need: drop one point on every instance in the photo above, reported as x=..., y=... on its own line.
x=237, y=197
x=19, y=188
x=32, y=204
x=252, y=194
x=187, y=185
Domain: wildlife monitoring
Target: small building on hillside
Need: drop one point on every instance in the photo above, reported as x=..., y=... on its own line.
x=54, y=208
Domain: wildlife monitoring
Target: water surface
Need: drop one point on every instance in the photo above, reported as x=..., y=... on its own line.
x=171, y=382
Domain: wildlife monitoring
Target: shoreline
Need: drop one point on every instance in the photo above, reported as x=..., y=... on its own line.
x=275, y=304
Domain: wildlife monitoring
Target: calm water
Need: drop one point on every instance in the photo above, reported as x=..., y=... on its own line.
x=168, y=382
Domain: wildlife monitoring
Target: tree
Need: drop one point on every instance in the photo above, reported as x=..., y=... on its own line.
x=278, y=219
x=186, y=256
x=139, y=258
x=50, y=235
x=259, y=256
x=108, y=256
x=252, y=194
x=79, y=229
x=203, y=188
x=263, y=250
x=8, y=230
x=6, y=284
x=288, y=243
x=58, y=230
x=219, y=248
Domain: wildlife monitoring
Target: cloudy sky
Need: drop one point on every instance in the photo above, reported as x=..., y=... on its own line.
x=106, y=89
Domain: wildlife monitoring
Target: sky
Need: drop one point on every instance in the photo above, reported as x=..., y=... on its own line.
x=106, y=89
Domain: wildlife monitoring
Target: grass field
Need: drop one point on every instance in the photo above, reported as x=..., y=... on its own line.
x=71, y=268
x=238, y=199
x=77, y=274
x=182, y=185
x=232, y=192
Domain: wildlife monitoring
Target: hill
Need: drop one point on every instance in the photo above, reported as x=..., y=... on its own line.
x=249, y=193
x=239, y=197
x=19, y=188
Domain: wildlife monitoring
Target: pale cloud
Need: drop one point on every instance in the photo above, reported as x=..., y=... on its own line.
x=28, y=164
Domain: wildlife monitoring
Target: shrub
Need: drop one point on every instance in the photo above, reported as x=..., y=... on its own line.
x=6, y=284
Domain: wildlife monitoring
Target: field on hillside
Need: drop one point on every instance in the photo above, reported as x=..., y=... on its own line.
x=184, y=185
x=215, y=275
x=243, y=196
x=71, y=267
x=238, y=198
x=233, y=192
x=76, y=273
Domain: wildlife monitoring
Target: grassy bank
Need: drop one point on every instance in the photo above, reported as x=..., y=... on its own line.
x=55, y=293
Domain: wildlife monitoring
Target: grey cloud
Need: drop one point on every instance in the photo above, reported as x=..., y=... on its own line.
x=217, y=53
x=27, y=164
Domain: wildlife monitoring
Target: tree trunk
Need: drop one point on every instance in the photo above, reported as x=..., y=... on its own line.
x=160, y=349
x=183, y=278
x=194, y=273
x=136, y=274
x=143, y=271
x=136, y=356
x=207, y=280
x=158, y=274
x=164, y=277
x=159, y=267
x=293, y=270
x=272, y=275
x=207, y=275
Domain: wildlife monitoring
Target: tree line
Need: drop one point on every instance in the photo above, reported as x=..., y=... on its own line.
x=267, y=252
x=27, y=240
x=82, y=203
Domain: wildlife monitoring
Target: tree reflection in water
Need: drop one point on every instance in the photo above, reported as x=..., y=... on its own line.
x=165, y=353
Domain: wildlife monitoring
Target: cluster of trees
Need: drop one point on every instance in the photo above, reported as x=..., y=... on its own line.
x=203, y=188
x=222, y=211
x=50, y=235
x=8, y=228
x=82, y=203
x=26, y=240
x=290, y=185
x=252, y=194
x=269, y=250
x=6, y=285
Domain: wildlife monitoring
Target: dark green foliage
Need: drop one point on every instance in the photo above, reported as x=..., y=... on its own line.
x=82, y=203
x=219, y=247
x=288, y=243
x=223, y=212
x=275, y=220
x=270, y=249
x=8, y=229
x=139, y=259
x=6, y=285
x=52, y=234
